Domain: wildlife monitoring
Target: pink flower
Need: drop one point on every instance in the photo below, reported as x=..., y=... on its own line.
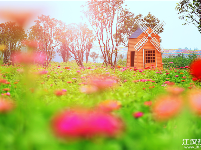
x=194, y=98
x=43, y=72
x=175, y=90
x=142, y=80
x=19, y=16
x=83, y=123
x=64, y=90
x=60, y=92
x=176, y=75
x=109, y=105
x=88, y=89
x=29, y=58
x=166, y=82
x=102, y=82
x=6, y=105
x=8, y=94
x=171, y=62
x=166, y=107
x=138, y=114
x=148, y=103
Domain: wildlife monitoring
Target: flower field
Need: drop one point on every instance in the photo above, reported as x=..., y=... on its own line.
x=64, y=106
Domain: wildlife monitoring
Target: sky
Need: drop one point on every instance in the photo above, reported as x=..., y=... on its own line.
x=175, y=34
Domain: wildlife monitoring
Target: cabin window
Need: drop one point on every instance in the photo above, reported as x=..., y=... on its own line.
x=150, y=56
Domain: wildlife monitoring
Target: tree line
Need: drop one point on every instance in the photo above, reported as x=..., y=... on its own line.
x=111, y=23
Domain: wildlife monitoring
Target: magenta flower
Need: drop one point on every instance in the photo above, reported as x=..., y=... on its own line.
x=83, y=123
x=64, y=90
x=166, y=82
x=8, y=94
x=176, y=75
x=138, y=114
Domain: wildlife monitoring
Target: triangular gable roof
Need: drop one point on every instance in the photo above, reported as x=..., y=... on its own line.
x=136, y=33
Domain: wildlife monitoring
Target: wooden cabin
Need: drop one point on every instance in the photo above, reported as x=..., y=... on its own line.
x=148, y=54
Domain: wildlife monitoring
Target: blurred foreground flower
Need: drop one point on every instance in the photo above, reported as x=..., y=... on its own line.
x=166, y=107
x=29, y=58
x=194, y=97
x=148, y=103
x=195, y=69
x=99, y=83
x=85, y=123
x=138, y=114
x=6, y=105
x=42, y=72
x=109, y=105
x=88, y=89
x=20, y=16
x=173, y=90
x=60, y=92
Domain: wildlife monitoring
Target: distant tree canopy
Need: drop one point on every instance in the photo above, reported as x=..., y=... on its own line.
x=126, y=25
x=102, y=15
x=80, y=39
x=190, y=12
x=61, y=36
x=11, y=36
x=44, y=31
x=94, y=56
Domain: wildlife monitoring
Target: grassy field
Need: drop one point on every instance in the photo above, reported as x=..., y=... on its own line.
x=152, y=113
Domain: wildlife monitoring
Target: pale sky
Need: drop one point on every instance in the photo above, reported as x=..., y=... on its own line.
x=175, y=34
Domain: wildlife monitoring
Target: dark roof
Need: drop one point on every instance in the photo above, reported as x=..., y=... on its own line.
x=136, y=33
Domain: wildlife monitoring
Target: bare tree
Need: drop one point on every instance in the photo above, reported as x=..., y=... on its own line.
x=101, y=15
x=94, y=56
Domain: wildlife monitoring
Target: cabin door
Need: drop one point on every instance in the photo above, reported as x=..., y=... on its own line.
x=149, y=58
x=132, y=58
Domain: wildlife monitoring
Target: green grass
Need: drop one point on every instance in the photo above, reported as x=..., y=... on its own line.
x=27, y=126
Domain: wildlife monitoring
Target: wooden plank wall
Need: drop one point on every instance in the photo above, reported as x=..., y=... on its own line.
x=159, y=60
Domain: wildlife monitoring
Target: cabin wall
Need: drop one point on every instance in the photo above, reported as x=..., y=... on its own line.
x=159, y=60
